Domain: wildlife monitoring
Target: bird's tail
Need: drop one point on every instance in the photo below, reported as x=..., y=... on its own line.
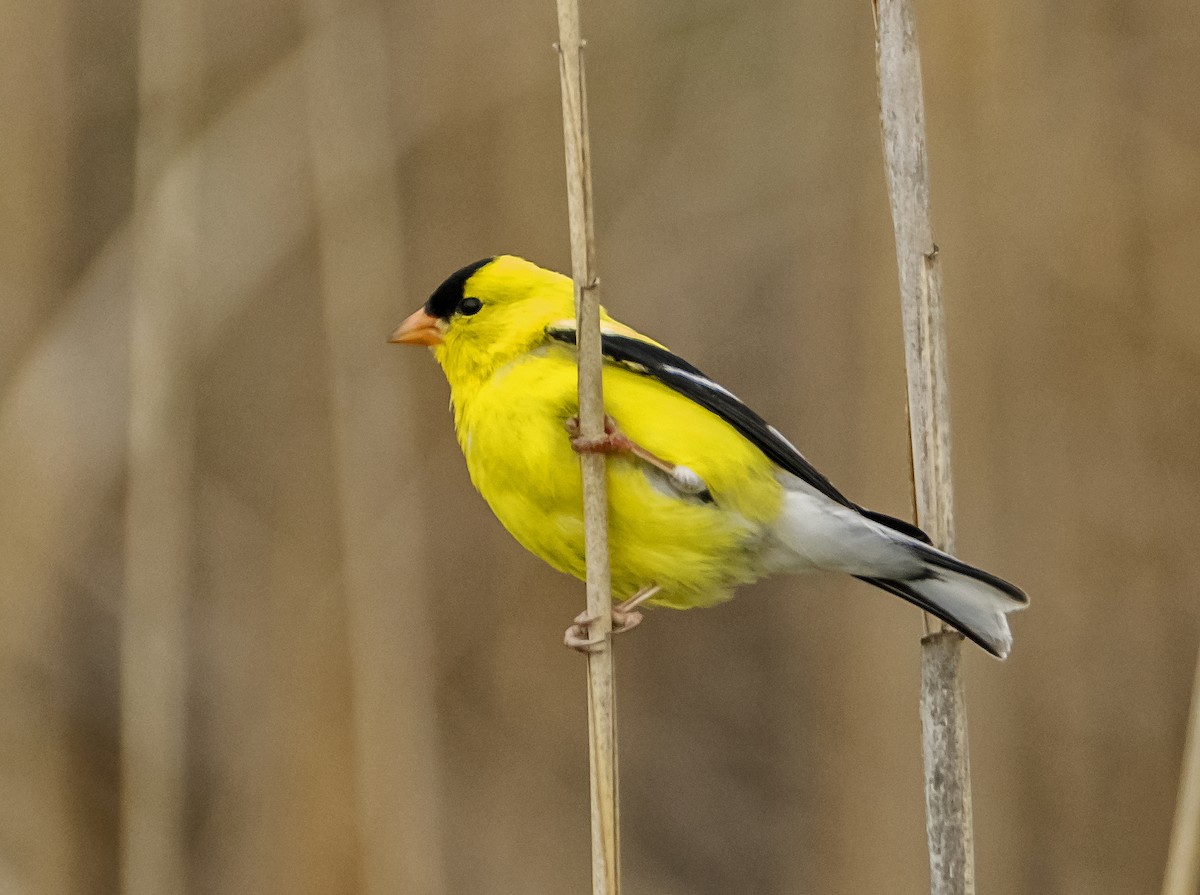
x=969, y=599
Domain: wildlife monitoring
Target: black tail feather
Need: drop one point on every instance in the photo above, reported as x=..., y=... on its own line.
x=936, y=557
x=900, y=525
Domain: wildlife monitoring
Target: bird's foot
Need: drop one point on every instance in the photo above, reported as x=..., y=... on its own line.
x=579, y=637
x=625, y=617
x=614, y=441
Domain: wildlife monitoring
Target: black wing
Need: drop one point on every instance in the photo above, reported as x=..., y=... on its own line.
x=677, y=374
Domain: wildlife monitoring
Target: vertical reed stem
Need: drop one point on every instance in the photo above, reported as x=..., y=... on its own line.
x=943, y=708
x=602, y=722
x=1183, y=861
x=159, y=511
x=398, y=792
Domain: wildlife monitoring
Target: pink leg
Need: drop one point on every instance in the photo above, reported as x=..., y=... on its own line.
x=614, y=441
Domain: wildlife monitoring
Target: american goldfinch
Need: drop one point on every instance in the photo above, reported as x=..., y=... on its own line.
x=703, y=494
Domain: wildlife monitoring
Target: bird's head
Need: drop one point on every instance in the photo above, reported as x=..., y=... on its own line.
x=487, y=314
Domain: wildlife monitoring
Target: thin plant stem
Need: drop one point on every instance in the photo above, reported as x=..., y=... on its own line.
x=943, y=708
x=159, y=508
x=602, y=721
x=1183, y=860
x=398, y=786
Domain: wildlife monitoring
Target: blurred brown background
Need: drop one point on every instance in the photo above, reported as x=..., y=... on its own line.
x=260, y=635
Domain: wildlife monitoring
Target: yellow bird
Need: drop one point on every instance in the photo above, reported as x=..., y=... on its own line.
x=703, y=494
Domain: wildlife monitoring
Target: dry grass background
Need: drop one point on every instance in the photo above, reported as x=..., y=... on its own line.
x=211, y=216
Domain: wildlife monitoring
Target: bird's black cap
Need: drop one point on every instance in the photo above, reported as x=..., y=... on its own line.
x=446, y=297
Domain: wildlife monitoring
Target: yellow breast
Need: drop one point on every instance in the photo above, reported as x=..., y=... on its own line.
x=521, y=461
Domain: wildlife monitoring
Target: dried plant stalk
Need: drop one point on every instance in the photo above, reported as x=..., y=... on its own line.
x=161, y=421
x=398, y=790
x=1183, y=861
x=602, y=721
x=943, y=709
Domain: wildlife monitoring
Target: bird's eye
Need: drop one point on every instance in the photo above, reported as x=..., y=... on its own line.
x=469, y=306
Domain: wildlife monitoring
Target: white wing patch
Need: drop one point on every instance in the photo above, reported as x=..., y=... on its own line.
x=705, y=382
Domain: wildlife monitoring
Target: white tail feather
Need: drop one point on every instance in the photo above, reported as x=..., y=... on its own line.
x=975, y=607
x=814, y=531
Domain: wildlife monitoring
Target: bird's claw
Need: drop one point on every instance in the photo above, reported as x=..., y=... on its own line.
x=625, y=620
x=613, y=441
x=578, y=634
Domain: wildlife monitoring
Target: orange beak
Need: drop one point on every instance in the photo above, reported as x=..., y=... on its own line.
x=419, y=329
